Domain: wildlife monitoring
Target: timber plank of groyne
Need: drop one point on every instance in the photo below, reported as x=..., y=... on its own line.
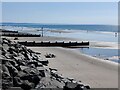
x=17, y=34
x=20, y=35
x=8, y=31
x=48, y=43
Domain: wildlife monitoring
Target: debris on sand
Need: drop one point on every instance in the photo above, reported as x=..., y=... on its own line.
x=49, y=55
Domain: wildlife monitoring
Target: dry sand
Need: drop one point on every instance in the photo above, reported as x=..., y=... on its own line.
x=71, y=63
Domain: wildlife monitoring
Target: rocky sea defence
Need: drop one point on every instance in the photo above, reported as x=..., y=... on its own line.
x=25, y=69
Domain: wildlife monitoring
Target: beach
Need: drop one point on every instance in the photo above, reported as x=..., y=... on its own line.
x=97, y=73
x=71, y=63
x=59, y=45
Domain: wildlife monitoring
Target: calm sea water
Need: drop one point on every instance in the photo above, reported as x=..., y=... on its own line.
x=106, y=54
x=108, y=28
x=86, y=34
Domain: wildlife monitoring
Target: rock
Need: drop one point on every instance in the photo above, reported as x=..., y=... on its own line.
x=35, y=57
x=4, y=51
x=50, y=55
x=48, y=83
x=5, y=41
x=37, y=53
x=44, y=62
x=30, y=51
x=31, y=71
x=42, y=71
x=70, y=79
x=8, y=56
x=33, y=62
x=15, y=53
x=21, y=62
x=19, y=59
x=40, y=64
x=21, y=74
x=35, y=79
x=32, y=75
x=13, y=62
x=11, y=50
x=6, y=78
x=5, y=71
x=52, y=69
x=7, y=83
x=13, y=71
x=78, y=87
x=23, y=67
x=87, y=87
x=26, y=85
x=27, y=56
x=16, y=45
x=17, y=81
x=70, y=86
x=16, y=38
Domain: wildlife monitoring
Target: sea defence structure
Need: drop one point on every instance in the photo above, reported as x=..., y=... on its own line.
x=20, y=35
x=7, y=31
x=17, y=34
x=56, y=43
x=24, y=69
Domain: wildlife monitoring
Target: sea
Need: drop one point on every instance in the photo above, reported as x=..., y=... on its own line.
x=95, y=33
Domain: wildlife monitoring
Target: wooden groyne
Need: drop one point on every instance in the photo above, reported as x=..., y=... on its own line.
x=7, y=31
x=20, y=35
x=17, y=34
x=48, y=43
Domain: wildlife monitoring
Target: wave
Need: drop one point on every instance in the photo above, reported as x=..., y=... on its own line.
x=108, y=28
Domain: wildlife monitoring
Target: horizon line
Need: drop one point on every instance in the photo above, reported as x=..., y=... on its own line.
x=57, y=23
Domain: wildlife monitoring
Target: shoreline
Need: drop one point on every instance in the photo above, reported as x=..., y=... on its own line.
x=93, y=44
x=93, y=71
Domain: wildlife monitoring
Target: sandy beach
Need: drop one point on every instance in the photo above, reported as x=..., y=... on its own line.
x=69, y=45
x=92, y=71
x=71, y=63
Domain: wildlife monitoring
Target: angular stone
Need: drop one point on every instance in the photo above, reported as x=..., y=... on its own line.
x=26, y=85
x=33, y=62
x=13, y=71
x=44, y=62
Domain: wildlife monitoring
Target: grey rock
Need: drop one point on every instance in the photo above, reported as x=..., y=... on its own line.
x=26, y=85
x=25, y=68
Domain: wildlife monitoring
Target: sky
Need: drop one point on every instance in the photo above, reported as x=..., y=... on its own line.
x=60, y=0
x=61, y=12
